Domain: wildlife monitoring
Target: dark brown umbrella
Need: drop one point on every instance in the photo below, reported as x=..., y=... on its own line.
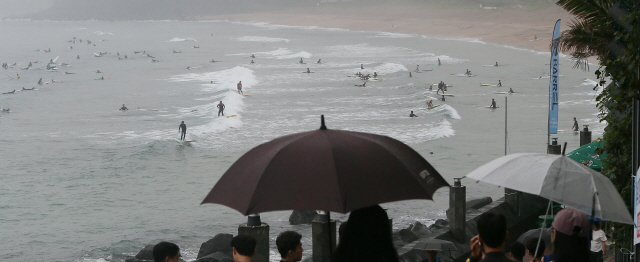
x=332, y=170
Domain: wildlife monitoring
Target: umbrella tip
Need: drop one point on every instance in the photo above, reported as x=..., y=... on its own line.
x=322, y=126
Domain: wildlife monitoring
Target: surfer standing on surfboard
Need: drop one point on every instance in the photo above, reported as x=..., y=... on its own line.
x=220, y=109
x=182, y=128
x=239, y=88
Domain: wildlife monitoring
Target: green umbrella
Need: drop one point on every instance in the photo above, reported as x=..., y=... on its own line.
x=590, y=155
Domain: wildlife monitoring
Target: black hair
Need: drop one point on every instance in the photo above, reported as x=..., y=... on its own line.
x=568, y=248
x=492, y=229
x=366, y=237
x=287, y=241
x=163, y=250
x=596, y=224
x=517, y=250
x=341, y=229
x=532, y=244
x=244, y=244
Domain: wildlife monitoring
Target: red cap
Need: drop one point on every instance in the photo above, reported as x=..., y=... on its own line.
x=570, y=221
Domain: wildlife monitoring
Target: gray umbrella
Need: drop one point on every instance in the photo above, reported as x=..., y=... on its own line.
x=535, y=233
x=559, y=179
x=433, y=244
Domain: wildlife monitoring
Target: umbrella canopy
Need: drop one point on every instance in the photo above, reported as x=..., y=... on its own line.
x=332, y=170
x=590, y=155
x=557, y=178
x=535, y=233
x=433, y=244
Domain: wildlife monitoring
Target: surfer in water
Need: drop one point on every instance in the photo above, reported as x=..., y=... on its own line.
x=12, y=92
x=361, y=66
x=308, y=71
x=468, y=72
x=375, y=75
x=239, y=85
x=301, y=62
x=182, y=128
x=496, y=65
x=442, y=98
x=409, y=74
x=493, y=103
x=575, y=125
x=417, y=68
x=412, y=114
x=430, y=103
x=319, y=61
x=499, y=83
x=249, y=63
x=220, y=109
x=253, y=56
x=363, y=85
x=98, y=71
x=439, y=62
x=511, y=91
x=124, y=108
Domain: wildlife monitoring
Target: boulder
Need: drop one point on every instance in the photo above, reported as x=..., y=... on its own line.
x=408, y=236
x=219, y=243
x=417, y=226
x=145, y=255
x=215, y=257
x=440, y=223
x=299, y=217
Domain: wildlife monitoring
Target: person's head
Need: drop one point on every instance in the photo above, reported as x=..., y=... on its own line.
x=574, y=119
x=432, y=255
x=532, y=244
x=492, y=99
x=570, y=230
x=596, y=225
x=243, y=245
x=289, y=245
x=166, y=252
x=492, y=229
x=341, y=230
x=412, y=111
x=517, y=251
x=182, y=122
x=366, y=237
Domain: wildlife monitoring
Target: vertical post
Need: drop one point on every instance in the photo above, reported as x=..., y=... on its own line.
x=323, y=237
x=554, y=148
x=260, y=231
x=457, y=210
x=585, y=136
x=635, y=162
x=505, y=125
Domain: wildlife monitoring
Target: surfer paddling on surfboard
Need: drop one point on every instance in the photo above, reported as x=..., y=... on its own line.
x=183, y=130
x=412, y=114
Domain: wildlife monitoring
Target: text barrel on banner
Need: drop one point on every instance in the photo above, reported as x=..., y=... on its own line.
x=553, y=81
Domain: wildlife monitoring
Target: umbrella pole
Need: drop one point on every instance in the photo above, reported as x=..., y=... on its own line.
x=593, y=215
x=542, y=228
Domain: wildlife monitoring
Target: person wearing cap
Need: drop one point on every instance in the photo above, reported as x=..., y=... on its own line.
x=598, y=245
x=570, y=231
x=491, y=239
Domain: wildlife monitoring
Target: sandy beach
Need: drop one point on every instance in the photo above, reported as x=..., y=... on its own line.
x=511, y=26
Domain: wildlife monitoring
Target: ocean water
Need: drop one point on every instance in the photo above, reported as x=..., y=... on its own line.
x=83, y=181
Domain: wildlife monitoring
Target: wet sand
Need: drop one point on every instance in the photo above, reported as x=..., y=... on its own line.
x=512, y=26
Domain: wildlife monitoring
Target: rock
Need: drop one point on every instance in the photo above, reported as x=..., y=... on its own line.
x=219, y=243
x=417, y=226
x=478, y=202
x=440, y=223
x=299, y=217
x=145, y=255
x=215, y=257
x=408, y=236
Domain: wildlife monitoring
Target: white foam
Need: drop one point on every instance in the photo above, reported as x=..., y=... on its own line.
x=276, y=26
x=261, y=39
x=178, y=39
x=394, y=35
x=386, y=68
x=462, y=39
x=102, y=33
x=281, y=53
x=450, y=111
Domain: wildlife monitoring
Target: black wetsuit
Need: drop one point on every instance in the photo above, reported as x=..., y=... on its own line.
x=221, y=109
x=183, y=127
x=493, y=104
x=124, y=108
x=575, y=126
x=412, y=115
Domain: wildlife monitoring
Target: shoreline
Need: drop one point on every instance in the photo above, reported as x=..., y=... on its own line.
x=509, y=27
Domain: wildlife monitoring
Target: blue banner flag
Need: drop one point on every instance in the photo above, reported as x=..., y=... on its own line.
x=553, y=81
